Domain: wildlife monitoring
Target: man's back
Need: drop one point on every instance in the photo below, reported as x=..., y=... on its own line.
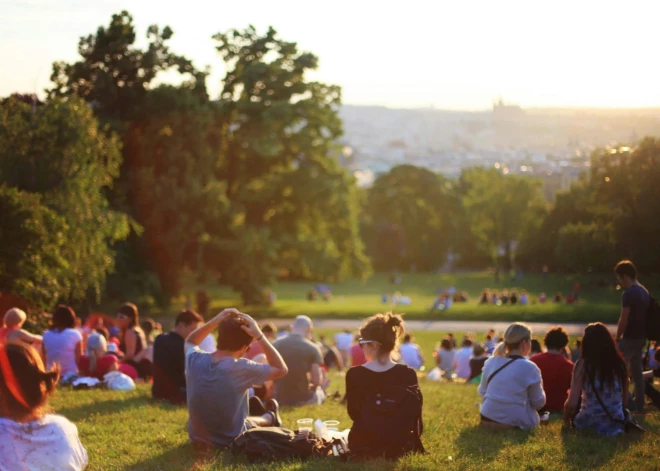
x=637, y=299
x=299, y=354
x=462, y=362
x=218, y=395
x=169, y=370
x=556, y=371
x=410, y=355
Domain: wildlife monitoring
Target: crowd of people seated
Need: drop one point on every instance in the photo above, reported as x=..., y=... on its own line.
x=514, y=297
x=246, y=371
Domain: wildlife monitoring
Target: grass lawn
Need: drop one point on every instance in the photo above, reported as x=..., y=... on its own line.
x=126, y=430
x=356, y=299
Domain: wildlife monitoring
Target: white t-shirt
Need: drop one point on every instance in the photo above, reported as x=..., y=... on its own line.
x=462, y=362
x=60, y=347
x=410, y=355
x=49, y=443
x=344, y=341
x=209, y=344
x=515, y=393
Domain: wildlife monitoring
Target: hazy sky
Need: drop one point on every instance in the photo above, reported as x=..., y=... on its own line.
x=458, y=54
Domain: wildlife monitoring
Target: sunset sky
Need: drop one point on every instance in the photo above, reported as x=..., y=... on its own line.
x=452, y=55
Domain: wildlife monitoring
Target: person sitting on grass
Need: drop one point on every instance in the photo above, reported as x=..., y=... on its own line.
x=62, y=343
x=556, y=369
x=357, y=353
x=305, y=382
x=97, y=361
x=444, y=358
x=270, y=331
x=599, y=376
x=12, y=331
x=477, y=361
x=536, y=347
x=377, y=378
x=169, y=380
x=511, y=386
x=32, y=439
x=411, y=353
x=462, y=359
x=218, y=383
x=132, y=338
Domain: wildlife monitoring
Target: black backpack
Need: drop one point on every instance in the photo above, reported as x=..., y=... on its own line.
x=653, y=320
x=390, y=424
x=275, y=444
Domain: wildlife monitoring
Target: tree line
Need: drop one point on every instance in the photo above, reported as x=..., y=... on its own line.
x=115, y=187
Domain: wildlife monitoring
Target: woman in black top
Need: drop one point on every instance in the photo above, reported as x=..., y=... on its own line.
x=383, y=398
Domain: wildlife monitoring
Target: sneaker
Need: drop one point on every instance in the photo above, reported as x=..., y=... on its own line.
x=273, y=408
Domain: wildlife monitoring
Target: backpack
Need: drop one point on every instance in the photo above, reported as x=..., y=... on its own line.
x=390, y=424
x=653, y=320
x=267, y=444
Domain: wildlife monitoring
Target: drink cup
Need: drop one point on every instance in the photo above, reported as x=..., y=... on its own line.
x=332, y=425
x=305, y=425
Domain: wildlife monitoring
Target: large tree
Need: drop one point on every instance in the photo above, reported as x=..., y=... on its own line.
x=59, y=152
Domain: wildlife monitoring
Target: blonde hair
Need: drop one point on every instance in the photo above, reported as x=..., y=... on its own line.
x=514, y=335
x=14, y=317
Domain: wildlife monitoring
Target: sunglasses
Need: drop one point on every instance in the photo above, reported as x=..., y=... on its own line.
x=122, y=316
x=362, y=342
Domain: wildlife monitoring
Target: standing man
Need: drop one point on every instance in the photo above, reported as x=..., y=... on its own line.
x=631, y=331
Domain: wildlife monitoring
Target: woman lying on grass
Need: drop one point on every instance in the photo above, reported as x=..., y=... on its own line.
x=511, y=385
x=599, y=373
x=32, y=439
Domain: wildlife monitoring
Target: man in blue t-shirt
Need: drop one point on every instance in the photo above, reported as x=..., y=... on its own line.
x=631, y=331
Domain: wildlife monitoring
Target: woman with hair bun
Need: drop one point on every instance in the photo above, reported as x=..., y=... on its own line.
x=511, y=385
x=32, y=439
x=383, y=397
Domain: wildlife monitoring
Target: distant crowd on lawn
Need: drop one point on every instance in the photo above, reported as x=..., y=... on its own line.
x=233, y=374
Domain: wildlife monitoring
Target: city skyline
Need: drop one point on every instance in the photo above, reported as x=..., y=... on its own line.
x=450, y=56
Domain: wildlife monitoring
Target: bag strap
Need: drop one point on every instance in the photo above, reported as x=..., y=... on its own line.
x=490, y=378
x=602, y=405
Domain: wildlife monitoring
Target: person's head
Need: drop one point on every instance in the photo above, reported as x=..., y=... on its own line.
x=446, y=344
x=578, y=343
x=269, y=330
x=103, y=331
x=517, y=338
x=379, y=335
x=24, y=383
x=231, y=337
x=127, y=316
x=536, y=347
x=489, y=338
x=602, y=359
x=187, y=321
x=302, y=325
x=625, y=272
x=467, y=343
x=478, y=350
x=63, y=318
x=15, y=318
x=407, y=338
x=450, y=335
x=556, y=339
x=149, y=327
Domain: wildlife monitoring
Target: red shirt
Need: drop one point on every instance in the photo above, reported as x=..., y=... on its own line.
x=357, y=356
x=103, y=366
x=254, y=350
x=556, y=371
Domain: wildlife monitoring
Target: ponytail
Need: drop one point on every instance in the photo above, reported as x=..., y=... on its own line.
x=386, y=329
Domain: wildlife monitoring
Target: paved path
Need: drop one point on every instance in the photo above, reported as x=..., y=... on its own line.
x=539, y=328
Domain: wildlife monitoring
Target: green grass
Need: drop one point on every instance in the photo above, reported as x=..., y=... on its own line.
x=126, y=430
x=356, y=299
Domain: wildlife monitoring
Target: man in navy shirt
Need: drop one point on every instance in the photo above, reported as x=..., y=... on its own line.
x=631, y=331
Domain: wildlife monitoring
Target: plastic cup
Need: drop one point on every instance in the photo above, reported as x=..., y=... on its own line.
x=332, y=425
x=305, y=425
x=545, y=418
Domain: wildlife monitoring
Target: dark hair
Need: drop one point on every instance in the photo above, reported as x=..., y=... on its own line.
x=34, y=381
x=188, y=317
x=578, y=342
x=556, y=338
x=269, y=328
x=489, y=337
x=407, y=338
x=231, y=337
x=384, y=329
x=602, y=359
x=148, y=326
x=130, y=310
x=536, y=346
x=626, y=267
x=466, y=343
x=445, y=344
x=103, y=331
x=63, y=318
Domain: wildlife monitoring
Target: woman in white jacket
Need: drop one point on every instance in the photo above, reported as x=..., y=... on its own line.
x=511, y=386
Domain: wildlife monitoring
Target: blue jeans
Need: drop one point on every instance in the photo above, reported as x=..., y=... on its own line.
x=633, y=352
